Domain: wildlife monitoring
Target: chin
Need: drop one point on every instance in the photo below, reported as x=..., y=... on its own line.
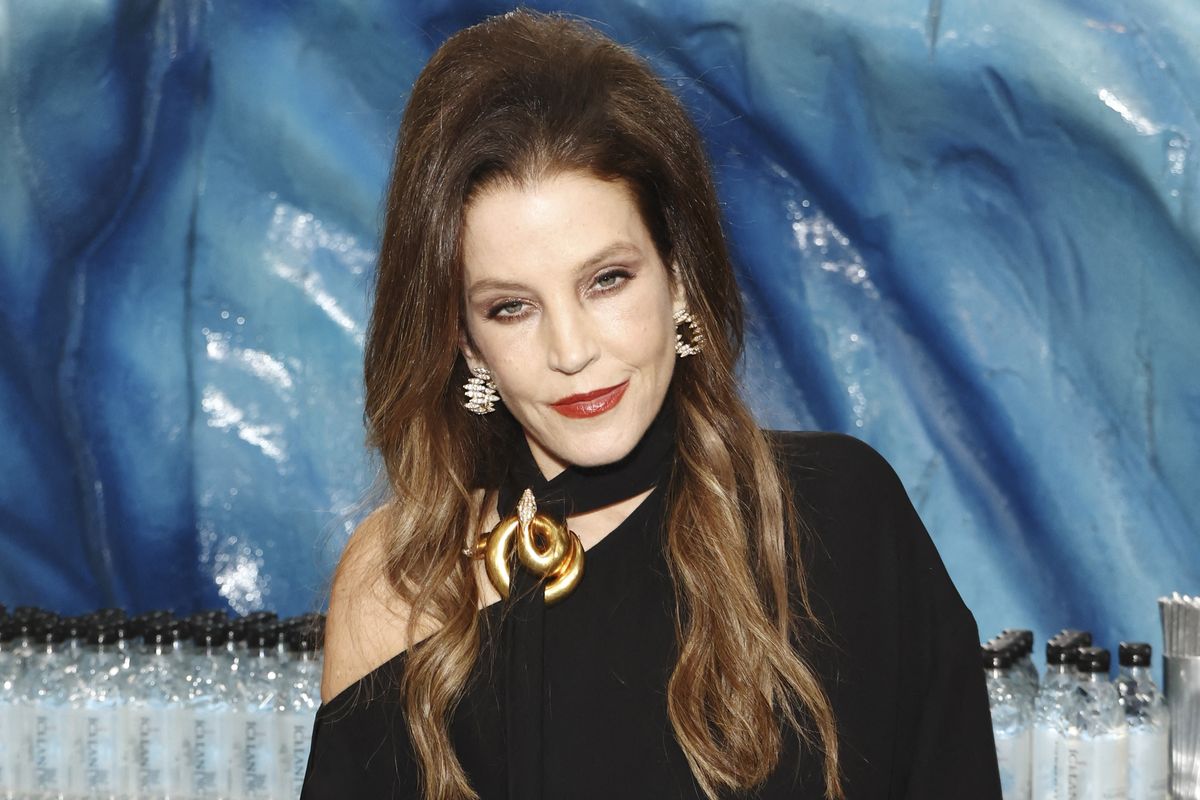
x=597, y=447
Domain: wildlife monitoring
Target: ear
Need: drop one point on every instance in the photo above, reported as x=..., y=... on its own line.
x=468, y=350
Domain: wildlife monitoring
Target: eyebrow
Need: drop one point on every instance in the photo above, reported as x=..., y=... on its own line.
x=602, y=255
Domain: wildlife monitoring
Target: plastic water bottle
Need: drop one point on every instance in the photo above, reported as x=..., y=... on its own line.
x=300, y=696
x=155, y=727
x=256, y=735
x=1019, y=644
x=1147, y=721
x=98, y=717
x=1023, y=667
x=210, y=752
x=1055, y=697
x=43, y=732
x=1093, y=756
x=10, y=672
x=1010, y=719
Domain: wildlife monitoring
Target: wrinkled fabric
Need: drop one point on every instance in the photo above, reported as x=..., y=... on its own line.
x=967, y=232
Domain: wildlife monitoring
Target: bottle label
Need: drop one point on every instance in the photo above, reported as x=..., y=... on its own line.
x=1093, y=768
x=149, y=755
x=96, y=737
x=295, y=736
x=156, y=749
x=1149, y=763
x=12, y=748
x=9, y=745
x=1111, y=766
x=49, y=730
x=259, y=754
x=1045, y=744
x=1013, y=755
x=210, y=761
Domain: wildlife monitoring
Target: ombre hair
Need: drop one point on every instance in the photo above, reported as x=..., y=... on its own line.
x=516, y=98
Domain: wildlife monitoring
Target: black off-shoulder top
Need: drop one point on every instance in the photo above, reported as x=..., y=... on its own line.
x=588, y=719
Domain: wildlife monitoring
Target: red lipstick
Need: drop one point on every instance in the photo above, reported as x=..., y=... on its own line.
x=590, y=404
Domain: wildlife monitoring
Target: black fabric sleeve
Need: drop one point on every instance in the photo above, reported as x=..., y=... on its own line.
x=901, y=664
x=950, y=734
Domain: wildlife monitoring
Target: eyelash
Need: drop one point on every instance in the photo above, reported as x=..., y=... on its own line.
x=494, y=312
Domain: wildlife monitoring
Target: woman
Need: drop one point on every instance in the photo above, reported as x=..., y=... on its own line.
x=553, y=245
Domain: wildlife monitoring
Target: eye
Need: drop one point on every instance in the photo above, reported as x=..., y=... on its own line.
x=506, y=309
x=611, y=279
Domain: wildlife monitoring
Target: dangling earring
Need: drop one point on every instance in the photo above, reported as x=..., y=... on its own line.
x=480, y=391
x=695, y=335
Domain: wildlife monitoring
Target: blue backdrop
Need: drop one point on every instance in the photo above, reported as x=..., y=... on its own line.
x=967, y=231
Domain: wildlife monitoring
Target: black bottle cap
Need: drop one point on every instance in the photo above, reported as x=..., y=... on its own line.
x=1134, y=654
x=159, y=632
x=262, y=635
x=304, y=638
x=996, y=657
x=121, y=629
x=1092, y=660
x=1023, y=637
x=52, y=632
x=144, y=623
x=1059, y=652
x=1073, y=635
x=27, y=627
x=76, y=627
x=181, y=628
x=212, y=616
x=101, y=632
x=212, y=634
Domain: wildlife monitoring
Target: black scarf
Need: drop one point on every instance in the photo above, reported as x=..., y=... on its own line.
x=576, y=490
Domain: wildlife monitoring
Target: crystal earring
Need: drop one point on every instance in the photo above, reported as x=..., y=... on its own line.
x=480, y=391
x=695, y=335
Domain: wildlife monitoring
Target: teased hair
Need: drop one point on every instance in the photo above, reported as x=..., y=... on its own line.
x=515, y=98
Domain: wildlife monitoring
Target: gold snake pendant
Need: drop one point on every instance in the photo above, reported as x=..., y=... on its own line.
x=545, y=547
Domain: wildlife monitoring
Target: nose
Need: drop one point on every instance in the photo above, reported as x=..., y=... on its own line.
x=571, y=343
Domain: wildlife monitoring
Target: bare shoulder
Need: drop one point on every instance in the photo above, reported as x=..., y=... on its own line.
x=366, y=623
x=366, y=619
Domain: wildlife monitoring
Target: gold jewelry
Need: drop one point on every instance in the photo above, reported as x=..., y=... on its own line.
x=480, y=391
x=695, y=335
x=545, y=547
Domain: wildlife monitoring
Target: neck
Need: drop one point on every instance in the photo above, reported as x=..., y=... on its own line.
x=548, y=465
x=568, y=491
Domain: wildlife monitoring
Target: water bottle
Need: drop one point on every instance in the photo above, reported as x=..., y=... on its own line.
x=155, y=739
x=1093, y=755
x=10, y=672
x=43, y=727
x=300, y=696
x=1010, y=719
x=256, y=738
x=29, y=622
x=210, y=742
x=1056, y=694
x=1023, y=667
x=1019, y=644
x=98, y=716
x=1147, y=721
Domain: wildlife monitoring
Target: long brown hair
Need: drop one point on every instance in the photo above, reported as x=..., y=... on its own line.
x=517, y=97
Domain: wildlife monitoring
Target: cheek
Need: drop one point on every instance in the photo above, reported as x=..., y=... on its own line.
x=511, y=355
x=650, y=322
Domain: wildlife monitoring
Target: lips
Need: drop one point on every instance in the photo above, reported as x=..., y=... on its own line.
x=590, y=404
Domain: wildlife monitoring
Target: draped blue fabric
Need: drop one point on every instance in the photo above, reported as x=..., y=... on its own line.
x=968, y=233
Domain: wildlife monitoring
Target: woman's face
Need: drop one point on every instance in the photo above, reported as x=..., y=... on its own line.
x=566, y=296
